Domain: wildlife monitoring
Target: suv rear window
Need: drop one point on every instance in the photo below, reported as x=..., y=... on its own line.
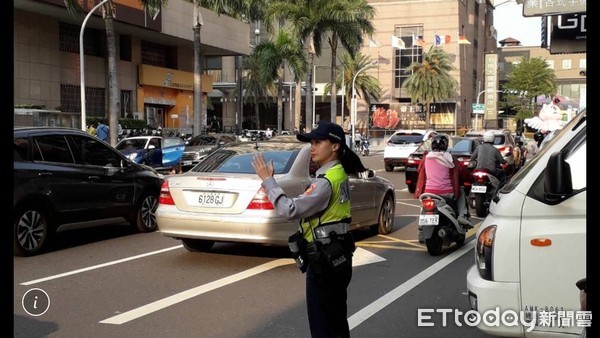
x=406, y=138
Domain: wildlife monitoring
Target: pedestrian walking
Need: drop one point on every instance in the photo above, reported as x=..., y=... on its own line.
x=102, y=131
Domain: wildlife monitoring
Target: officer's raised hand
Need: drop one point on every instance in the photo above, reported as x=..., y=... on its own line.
x=263, y=170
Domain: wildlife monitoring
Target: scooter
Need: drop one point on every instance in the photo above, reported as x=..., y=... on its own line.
x=364, y=147
x=483, y=189
x=439, y=225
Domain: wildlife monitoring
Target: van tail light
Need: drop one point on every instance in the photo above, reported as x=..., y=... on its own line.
x=429, y=205
x=165, y=194
x=484, y=252
x=260, y=201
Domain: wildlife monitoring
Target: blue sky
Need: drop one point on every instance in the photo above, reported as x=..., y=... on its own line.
x=509, y=22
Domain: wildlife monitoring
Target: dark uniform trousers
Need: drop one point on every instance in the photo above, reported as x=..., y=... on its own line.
x=326, y=294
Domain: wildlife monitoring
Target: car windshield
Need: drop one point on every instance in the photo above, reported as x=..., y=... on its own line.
x=201, y=140
x=406, y=138
x=462, y=146
x=238, y=160
x=130, y=144
x=499, y=139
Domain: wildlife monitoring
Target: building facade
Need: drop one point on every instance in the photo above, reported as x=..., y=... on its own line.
x=155, y=60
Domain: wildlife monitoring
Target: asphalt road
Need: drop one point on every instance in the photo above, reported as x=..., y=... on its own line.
x=111, y=281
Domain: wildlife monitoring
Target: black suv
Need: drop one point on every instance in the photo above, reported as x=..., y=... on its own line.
x=65, y=178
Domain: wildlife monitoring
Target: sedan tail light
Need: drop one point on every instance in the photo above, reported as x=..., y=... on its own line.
x=506, y=151
x=165, y=194
x=260, y=201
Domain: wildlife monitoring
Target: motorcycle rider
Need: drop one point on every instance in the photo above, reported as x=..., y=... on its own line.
x=488, y=157
x=439, y=174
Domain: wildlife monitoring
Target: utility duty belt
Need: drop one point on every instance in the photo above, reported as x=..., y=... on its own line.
x=324, y=232
x=331, y=250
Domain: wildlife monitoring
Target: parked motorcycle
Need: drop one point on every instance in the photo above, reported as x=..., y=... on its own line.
x=483, y=188
x=439, y=225
x=364, y=147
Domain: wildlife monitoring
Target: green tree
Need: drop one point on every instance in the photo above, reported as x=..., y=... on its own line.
x=430, y=80
x=366, y=86
x=348, y=29
x=114, y=93
x=284, y=50
x=527, y=79
x=254, y=84
x=235, y=8
x=310, y=21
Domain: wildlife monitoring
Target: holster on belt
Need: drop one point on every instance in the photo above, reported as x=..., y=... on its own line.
x=297, y=245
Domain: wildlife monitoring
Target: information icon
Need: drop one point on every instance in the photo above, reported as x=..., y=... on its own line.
x=35, y=302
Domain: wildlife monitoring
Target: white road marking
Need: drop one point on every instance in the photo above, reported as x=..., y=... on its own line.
x=364, y=257
x=361, y=257
x=371, y=309
x=185, y=295
x=45, y=279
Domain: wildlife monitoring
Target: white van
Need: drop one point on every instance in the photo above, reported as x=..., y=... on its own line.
x=531, y=248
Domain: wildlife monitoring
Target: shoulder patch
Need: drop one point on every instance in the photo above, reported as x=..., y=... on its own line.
x=310, y=189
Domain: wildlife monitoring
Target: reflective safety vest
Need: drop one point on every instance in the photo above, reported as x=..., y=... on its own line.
x=338, y=209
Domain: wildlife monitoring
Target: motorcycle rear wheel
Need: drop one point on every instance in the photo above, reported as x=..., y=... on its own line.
x=480, y=207
x=434, y=244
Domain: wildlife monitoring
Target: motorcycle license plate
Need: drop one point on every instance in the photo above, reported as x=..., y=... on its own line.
x=187, y=162
x=480, y=189
x=429, y=219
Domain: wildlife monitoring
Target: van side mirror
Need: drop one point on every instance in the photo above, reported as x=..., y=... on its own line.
x=557, y=178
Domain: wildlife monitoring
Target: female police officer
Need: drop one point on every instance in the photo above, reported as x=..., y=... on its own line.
x=324, y=214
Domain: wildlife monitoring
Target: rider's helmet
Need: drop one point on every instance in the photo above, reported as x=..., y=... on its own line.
x=488, y=137
x=439, y=143
x=538, y=136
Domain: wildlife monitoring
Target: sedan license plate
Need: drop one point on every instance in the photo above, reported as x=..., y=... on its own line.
x=429, y=219
x=211, y=199
x=479, y=189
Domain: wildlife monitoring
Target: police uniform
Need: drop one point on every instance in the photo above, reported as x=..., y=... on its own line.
x=325, y=205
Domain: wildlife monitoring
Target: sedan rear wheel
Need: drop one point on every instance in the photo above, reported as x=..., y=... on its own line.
x=31, y=231
x=197, y=245
x=146, y=214
x=386, y=216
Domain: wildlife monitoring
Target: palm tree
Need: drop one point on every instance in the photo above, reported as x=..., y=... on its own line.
x=310, y=21
x=285, y=50
x=233, y=8
x=255, y=85
x=366, y=86
x=430, y=80
x=114, y=93
x=349, y=30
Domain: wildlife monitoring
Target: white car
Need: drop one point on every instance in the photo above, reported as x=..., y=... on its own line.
x=401, y=144
x=221, y=198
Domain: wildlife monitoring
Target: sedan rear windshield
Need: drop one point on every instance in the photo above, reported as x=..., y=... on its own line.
x=227, y=161
x=406, y=138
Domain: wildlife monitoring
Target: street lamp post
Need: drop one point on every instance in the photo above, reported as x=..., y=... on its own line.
x=81, y=63
x=353, y=102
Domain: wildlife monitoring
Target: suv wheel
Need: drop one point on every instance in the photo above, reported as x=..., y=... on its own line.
x=31, y=231
x=146, y=214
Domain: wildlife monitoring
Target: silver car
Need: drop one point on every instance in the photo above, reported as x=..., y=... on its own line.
x=221, y=198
